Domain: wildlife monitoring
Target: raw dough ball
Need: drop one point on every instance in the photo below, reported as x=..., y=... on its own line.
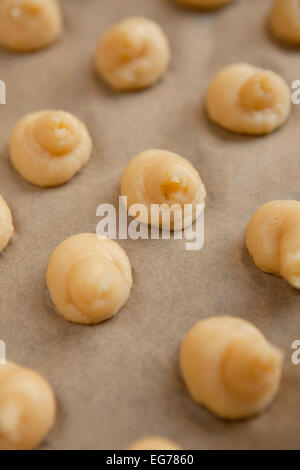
x=27, y=408
x=204, y=4
x=133, y=54
x=273, y=239
x=229, y=367
x=47, y=148
x=26, y=25
x=154, y=443
x=285, y=20
x=248, y=100
x=6, y=224
x=163, y=178
x=89, y=278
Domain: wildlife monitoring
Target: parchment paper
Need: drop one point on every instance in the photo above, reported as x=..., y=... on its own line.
x=120, y=380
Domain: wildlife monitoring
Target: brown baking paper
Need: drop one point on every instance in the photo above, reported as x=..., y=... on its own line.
x=120, y=380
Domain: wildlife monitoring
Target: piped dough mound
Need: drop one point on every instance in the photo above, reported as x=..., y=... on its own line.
x=203, y=4
x=27, y=25
x=154, y=443
x=229, y=367
x=285, y=20
x=89, y=278
x=27, y=408
x=248, y=100
x=273, y=239
x=163, y=178
x=6, y=224
x=133, y=54
x=47, y=148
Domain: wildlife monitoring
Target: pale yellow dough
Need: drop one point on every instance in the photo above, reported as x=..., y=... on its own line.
x=27, y=408
x=6, y=224
x=203, y=4
x=285, y=20
x=273, y=239
x=229, y=367
x=154, y=443
x=248, y=100
x=164, y=178
x=26, y=25
x=89, y=278
x=47, y=148
x=133, y=54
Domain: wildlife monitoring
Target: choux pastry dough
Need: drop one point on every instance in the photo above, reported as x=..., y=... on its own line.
x=27, y=408
x=133, y=54
x=273, y=239
x=229, y=367
x=203, y=4
x=248, y=100
x=47, y=148
x=164, y=178
x=154, y=443
x=285, y=20
x=6, y=224
x=89, y=278
x=26, y=25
